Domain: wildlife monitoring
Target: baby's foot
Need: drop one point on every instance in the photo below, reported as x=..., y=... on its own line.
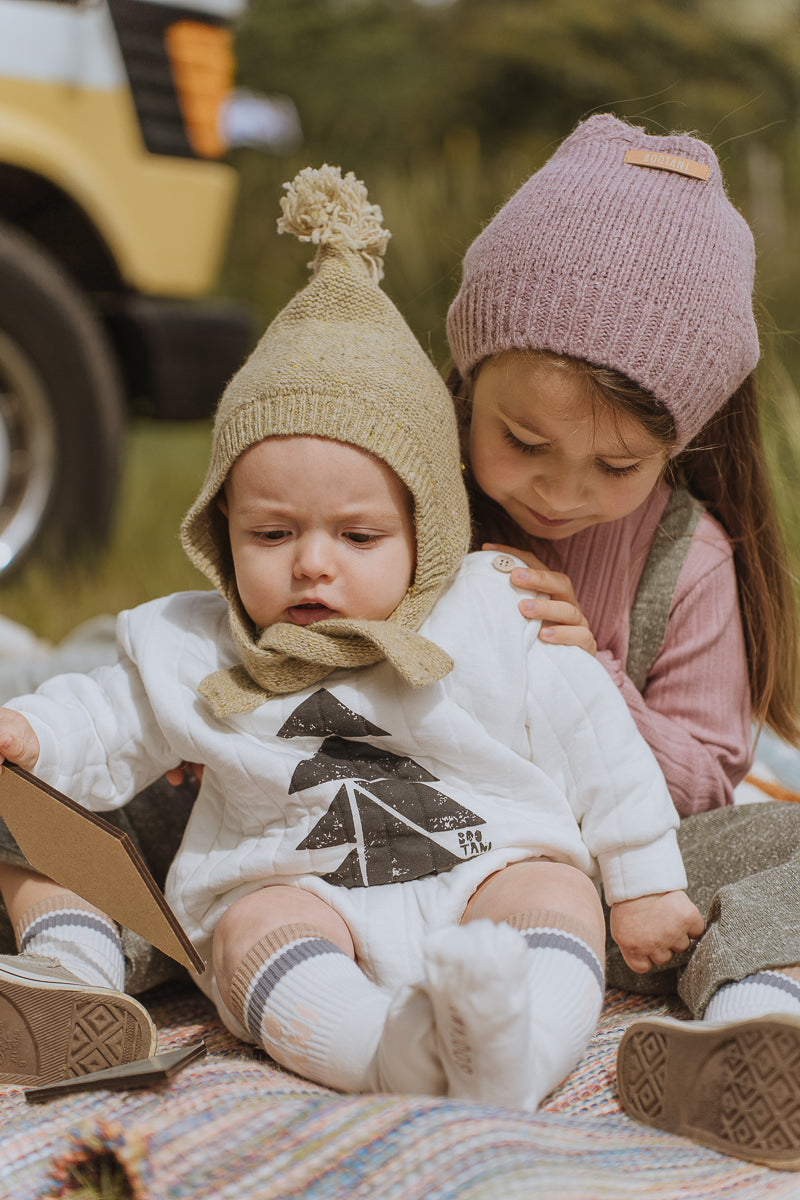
x=407, y=1060
x=477, y=979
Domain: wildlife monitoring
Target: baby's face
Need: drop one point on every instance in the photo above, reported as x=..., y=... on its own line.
x=317, y=529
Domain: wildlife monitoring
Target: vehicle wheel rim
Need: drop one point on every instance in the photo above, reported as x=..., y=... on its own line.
x=27, y=451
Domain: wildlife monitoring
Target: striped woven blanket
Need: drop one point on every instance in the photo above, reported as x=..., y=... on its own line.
x=233, y=1126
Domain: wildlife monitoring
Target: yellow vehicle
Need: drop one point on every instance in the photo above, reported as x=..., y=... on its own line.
x=114, y=214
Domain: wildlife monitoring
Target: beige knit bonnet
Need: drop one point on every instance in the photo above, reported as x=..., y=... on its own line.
x=338, y=362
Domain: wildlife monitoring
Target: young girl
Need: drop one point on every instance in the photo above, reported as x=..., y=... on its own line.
x=604, y=344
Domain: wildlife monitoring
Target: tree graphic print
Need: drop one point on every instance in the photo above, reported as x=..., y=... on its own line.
x=385, y=810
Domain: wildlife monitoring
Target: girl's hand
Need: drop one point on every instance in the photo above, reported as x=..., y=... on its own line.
x=18, y=743
x=563, y=622
x=191, y=773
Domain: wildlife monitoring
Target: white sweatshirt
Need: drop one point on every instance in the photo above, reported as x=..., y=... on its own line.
x=523, y=749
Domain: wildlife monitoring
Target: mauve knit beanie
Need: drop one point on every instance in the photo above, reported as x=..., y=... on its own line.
x=625, y=251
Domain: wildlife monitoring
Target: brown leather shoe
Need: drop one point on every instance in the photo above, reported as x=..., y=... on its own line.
x=734, y=1087
x=54, y=1026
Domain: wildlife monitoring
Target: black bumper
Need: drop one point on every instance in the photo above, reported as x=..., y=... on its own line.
x=178, y=355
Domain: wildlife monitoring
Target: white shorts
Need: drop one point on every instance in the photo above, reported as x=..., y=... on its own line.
x=389, y=924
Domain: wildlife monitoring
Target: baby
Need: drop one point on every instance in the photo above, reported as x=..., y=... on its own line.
x=406, y=795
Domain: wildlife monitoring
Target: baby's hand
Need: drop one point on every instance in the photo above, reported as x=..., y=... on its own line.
x=563, y=622
x=18, y=743
x=652, y=929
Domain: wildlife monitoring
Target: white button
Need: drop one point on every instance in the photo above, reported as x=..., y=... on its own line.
x=504, y=563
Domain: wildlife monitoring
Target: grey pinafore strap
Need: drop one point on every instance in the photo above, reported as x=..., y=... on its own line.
x=653, y=601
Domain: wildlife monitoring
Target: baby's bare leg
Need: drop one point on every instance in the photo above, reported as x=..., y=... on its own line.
x=517, y=990
x=540, y=886
x=264, y=913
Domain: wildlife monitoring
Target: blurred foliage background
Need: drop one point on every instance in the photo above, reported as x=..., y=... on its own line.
x=444, y=108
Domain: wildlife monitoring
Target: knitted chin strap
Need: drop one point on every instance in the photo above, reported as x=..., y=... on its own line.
x=287, y=658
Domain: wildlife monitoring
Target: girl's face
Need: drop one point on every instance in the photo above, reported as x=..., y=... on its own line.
x=554, y=460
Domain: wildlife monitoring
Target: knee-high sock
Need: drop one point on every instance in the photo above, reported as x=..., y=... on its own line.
x=78, y=935
x=515, y=1004
x=313, y=1010
x=567, y=985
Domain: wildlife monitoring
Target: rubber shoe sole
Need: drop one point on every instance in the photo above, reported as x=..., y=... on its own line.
x=732, y=1087
x=51, y=1029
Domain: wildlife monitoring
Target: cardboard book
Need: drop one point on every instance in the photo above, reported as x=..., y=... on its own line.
x=83, y=852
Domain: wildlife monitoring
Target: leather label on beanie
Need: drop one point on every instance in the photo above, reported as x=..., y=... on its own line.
x=668, y=162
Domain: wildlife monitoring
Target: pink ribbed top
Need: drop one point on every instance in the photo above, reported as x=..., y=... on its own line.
x=695, y=709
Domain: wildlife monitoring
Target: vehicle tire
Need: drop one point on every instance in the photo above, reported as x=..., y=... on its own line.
x=61, y=410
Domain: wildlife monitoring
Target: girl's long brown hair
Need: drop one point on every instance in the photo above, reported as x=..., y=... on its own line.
x=725, y=468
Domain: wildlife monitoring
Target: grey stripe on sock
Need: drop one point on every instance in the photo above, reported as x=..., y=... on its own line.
x=65, y=919
x=549, y=939
x=776, y=980
x=273, y=972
